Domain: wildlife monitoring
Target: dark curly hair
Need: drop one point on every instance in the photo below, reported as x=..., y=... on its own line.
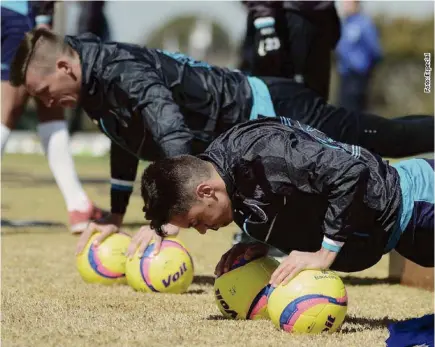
x=167, y=188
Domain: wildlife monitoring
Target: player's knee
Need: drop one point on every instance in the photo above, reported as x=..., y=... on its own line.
x=13, y=101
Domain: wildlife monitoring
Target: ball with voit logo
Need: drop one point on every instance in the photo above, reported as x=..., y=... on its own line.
x=104, y=263
x=314, y=301
x=170, y=271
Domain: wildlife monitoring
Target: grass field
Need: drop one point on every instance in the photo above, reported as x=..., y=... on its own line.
x=45, y=303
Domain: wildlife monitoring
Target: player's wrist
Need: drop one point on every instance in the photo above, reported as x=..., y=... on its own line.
x=327, y=256
x=117, y=218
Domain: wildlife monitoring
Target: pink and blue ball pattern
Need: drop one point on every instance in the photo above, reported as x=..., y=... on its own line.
x=297, y=307
x=259, y=303
x=98, y=267
x=145, y=261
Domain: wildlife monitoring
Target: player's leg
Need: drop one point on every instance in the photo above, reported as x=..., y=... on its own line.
x=311, y=38
x=13, y=101
x=397, y=137
x=53, y=132
x=247, y=48
x=13, y=27
x=416, y=229
x=400, y=137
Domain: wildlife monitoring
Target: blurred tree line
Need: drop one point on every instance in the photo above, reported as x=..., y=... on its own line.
x=397, y=84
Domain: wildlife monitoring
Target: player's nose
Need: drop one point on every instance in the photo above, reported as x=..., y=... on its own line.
x=202, y=229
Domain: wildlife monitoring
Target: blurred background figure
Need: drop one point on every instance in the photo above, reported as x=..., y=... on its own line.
x=291, y=39
x=92, y=19
x=358, y=52
x=18, y=17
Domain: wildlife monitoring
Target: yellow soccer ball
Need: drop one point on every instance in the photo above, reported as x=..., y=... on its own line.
x=241, y=293
x=170, y=271
x=105, y=263
x=312, y=302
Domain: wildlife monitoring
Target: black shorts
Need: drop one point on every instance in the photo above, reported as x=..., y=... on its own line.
x=14, y=27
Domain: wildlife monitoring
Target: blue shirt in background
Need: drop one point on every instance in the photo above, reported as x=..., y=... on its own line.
x=358, y=49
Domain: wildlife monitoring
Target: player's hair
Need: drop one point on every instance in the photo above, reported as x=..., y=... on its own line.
x=168, y=188
x=39, y=48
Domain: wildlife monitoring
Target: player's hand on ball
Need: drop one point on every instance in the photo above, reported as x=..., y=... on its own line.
x=299, y=261
x=247, y=250
x=145, y=236
x=106, y=226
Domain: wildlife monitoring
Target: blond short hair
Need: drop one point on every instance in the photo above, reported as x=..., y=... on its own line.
x=39, y=48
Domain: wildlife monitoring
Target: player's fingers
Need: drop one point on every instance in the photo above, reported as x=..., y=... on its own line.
x=220, y=266
x=235, y=252
x=254, y=251
x=132, y=247
x=143, y=243
x=284, y=273
x=157, y=244
x=278, y=271
x=105, y=232
x=84, y=237
x=291, y=275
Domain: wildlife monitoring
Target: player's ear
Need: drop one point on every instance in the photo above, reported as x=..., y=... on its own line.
x=64, y=65
x=204, y=190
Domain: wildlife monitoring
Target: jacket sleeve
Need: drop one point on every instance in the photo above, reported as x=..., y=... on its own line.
x=308, y=165
x=123, y=168
x=139, y=90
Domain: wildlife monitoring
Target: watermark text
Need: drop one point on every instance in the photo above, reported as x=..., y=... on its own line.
x=427, y=72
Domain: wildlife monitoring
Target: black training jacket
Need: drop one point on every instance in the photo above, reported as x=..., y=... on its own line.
x=291, y=186
x=152, y=103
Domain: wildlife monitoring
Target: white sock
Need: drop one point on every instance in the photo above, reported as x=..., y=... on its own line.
x=4, y=136
x=55, y=141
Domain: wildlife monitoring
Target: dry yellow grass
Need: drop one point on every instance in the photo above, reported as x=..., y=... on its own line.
x=45, y=303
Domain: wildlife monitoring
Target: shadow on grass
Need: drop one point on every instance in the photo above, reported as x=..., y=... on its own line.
x=37, y=227
x=218, y=317
x=366, y=323
x=368, y=281
x=195, y=291
x=35, y=180
x=204, y=280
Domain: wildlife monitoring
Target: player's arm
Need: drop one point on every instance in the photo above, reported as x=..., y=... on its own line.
x=319, y=168
x=145, y=94
x=297, y=162
x=123, y=169
x=302, y=163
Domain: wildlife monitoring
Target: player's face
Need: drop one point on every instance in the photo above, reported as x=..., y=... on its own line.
x=211, y=211
x=55, y=89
